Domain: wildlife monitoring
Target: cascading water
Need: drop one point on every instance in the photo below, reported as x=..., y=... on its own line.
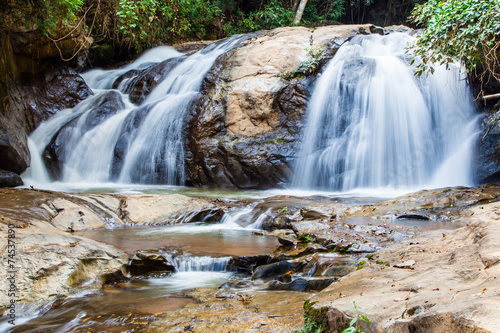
x=106, y=138
x=371, y=123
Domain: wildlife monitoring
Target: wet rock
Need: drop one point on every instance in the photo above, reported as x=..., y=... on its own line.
x=272, y=270
x=437, y=203
x=207, y=216
x=299, y=250
x=317, y=212
x=104, y=107
x=247, y=264
x=448, y=266
x=149, y=262
x=487, y=153
x=13, y=120
x=53, y=89
x=330, y=264
x=189, y=47
x=413, y=217
x=10, y=179
x=142, y=82
x=245, y=127
x=301, y=284
x=288, y=240
x=163, y=209
x=309, y=227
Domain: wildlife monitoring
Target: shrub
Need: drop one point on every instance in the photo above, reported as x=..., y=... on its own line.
x=458, y=30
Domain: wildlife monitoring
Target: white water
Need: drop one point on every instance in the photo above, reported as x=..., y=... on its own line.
x=372, y=124
x=187, y=263
x=108, y=139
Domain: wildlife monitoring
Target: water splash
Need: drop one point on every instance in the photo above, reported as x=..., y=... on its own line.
x=371, y=123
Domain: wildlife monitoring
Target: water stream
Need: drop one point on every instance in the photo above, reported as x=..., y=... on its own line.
x=201, y=254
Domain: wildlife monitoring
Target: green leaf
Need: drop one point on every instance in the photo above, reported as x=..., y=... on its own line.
x=366, y=319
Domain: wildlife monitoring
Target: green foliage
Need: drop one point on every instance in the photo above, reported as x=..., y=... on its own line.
x=308, y=66
x=319, y=12
x=306, y=238
x=361, y=265
x=458, y=30
x=145, y=23
x=311, y=326
x=271, y=15
x=360, y=323
x=47, y=16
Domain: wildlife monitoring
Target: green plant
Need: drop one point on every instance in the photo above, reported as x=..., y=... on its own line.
x=269, y=16
x=360, y=323
x=319, y=12
x=458, y=30
x=285, y=209
x=361, y=265
x=308, y=66
x=145, y=23
x=47, y=16
x=306, y=238
x=311, y=326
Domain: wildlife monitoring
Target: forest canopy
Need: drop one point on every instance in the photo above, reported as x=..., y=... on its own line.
x=134, y=25
x=455, y=30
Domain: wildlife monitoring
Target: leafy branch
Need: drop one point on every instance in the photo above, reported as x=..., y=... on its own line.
x=457, y=30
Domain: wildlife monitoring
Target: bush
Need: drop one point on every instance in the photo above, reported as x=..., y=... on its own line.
x=458, y=30
x=47, y=16
x=145, y=23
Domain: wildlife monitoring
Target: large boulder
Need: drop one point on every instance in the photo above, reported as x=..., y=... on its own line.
x=9, y=179
x=55, y=265
x=53, y=89
x=245, y=128
x=487, y=152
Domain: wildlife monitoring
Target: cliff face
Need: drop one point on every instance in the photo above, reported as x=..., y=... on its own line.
x=13, y=120
x=34, y=85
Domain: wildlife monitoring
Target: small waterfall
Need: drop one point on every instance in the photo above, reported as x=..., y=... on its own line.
x=187, y=263
x=107, y=138
x=371, y=123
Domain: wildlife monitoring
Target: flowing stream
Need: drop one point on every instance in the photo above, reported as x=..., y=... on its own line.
x=202, y=258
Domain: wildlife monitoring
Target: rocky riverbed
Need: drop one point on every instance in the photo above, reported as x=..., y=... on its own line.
x=427, y=259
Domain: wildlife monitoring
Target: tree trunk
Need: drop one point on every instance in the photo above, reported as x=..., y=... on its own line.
x=300, y=11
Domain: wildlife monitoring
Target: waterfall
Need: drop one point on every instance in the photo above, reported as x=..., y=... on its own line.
x=108, y=138
x=371, y=123
x=188, y=263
